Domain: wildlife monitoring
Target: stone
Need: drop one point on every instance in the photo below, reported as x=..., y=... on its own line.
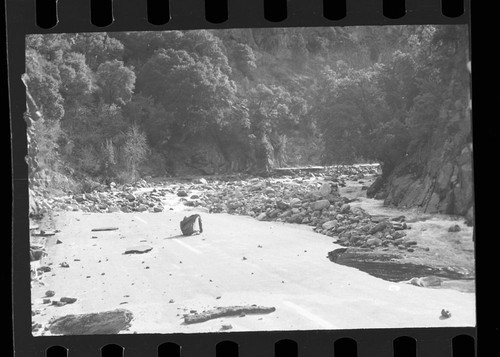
x=426, y=281
x=269, y=190
x=320, y=205
x=295, y=202
x=49, y=293
x=282, y=205
x=296, y=218
x=373, y=242
x=58, y=303
x=261, y=216
x=398, y=234
x=455, y=228
x=36, y=254
x=79, y=198
x=140, y=249
x=101, y=323
x=329, y=224
x=345, y=208
x=325, y=189
x=130, y=196
x=157, y=208
x=445, y=314
x=182, y=193
x=378, y=227
x=67, y=300
x=399, y=226
x=410, y=242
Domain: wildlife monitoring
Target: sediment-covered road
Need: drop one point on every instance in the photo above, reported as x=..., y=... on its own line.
x=236, y=261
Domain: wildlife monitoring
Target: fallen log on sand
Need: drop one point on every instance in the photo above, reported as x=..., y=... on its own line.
x=226, y=311
x=104, y=229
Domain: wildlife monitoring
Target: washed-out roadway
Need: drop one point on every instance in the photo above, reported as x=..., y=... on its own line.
x=237, y=260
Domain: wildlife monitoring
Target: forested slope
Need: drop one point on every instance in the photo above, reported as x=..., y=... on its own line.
x=118, y=106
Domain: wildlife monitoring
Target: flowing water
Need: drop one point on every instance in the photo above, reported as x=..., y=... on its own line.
x=445, y=254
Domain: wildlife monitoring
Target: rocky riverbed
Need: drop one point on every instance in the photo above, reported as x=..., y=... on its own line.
x=391, y=244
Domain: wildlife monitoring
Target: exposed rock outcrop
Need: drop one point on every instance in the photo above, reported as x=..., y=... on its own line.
x=437, y=172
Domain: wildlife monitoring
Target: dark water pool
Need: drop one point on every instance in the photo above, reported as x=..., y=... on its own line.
x=388, y=267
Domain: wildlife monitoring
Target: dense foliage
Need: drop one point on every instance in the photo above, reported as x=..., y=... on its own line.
x=116, y=106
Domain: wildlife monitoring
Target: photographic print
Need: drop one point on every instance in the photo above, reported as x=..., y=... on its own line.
x=257, y=179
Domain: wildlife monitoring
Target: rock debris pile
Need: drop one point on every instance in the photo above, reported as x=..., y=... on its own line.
x=310, y=198
x=112, y=198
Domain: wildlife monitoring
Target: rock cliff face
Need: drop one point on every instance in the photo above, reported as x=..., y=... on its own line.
x=438, y=176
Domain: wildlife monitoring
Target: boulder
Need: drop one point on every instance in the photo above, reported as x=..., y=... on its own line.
x=269, y=191
x=295, y=202
x=282, y=205
x=67, y=300
x=261, y=216
x=374, y=242
x=101, y=323
x=330, y=224
x=345, y=208
x=379, y=227
x=398, y=234
x=130, y=196
x=325, y=189
x=320, y=205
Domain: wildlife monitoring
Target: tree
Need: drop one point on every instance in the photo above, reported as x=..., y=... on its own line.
x=144, y=112
x=76, y=78
x=115, y=82
x=244, y=59
x=134, y=150
x=350, y=107
x=44, y=81
x=273, y=112
x=96, y=47
x=195, y=90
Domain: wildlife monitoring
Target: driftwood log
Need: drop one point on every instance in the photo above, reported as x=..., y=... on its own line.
x=104, y=229
x=226, y=311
